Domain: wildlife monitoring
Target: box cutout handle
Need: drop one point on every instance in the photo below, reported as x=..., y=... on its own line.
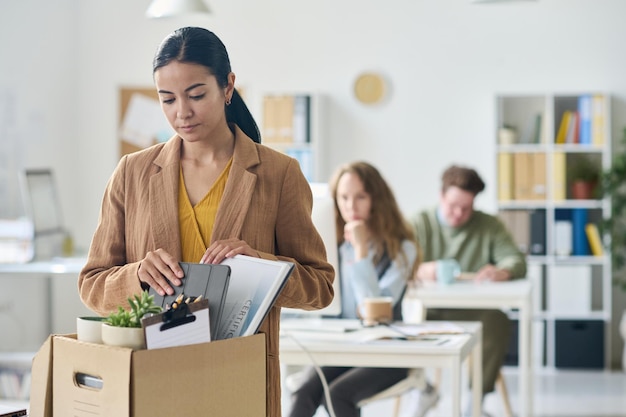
x=88, y=381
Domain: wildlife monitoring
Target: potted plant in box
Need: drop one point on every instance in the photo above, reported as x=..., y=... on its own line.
x=123, y=328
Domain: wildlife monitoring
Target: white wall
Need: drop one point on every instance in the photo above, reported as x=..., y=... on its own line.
x=445, y=62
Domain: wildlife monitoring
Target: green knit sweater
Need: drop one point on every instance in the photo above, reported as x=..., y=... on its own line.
x=482, y=240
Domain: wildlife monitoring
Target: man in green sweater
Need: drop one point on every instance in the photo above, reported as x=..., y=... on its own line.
x=482, y=246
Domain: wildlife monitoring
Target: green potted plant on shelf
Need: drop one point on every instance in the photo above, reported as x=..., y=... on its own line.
x=584, y=174
x=123, y=328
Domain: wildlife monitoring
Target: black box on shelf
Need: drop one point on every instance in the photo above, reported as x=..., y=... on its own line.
x=579, y=344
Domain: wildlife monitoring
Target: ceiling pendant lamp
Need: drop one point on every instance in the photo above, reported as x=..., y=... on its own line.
x=172, y=8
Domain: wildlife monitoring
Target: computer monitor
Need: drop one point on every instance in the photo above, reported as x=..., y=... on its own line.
x=323, y=216
x=42, y=207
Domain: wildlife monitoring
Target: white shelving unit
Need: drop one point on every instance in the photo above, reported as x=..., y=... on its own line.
x=572, y=291
x=15, y=377
x=297, y=130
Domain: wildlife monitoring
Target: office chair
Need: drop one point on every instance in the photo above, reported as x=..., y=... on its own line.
x=415, y=379
x=500, y=388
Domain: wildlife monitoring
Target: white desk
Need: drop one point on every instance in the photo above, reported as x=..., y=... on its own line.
x=348, y=349
x=54, y=266
x=496, y=295
x=52, y=286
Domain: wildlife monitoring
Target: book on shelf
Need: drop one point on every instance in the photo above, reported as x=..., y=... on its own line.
x=277, y=119
x=580, y=245
x=270, y=119
x=521, y=176
x=505, y=176
x=537, y=176
x=532, y=132
x=538, y=232
x=254, y=285
x=305, y=160
x=595, y=242
x=563, y=127
x=302, y=118
x=573, y=130
x=517, y=224
x=559, y=176
x=538, y=136
x=287, y=119
x=598, y=117
x=563, y=237
x=584, y=113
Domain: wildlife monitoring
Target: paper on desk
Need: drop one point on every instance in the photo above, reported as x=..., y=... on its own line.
x=400, y=330
x=432, y=327
x=368, y=334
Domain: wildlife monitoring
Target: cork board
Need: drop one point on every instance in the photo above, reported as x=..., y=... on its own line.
x=148, y=99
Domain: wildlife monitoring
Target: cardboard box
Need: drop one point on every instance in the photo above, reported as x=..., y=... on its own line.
x=221, y=378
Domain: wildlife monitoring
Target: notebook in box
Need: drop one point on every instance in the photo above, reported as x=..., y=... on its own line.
x=210, y=281
x=254, y=286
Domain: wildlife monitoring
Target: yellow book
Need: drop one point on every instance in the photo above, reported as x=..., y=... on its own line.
x=565, y=123
x=594, y=239
x=270, y=119
x=521, y=176
x=559, y=186
x=285, y=119
x=538, y=176
x=597, y=119
x=505, y=176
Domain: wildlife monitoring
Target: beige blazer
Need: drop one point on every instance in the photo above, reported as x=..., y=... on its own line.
x=267, y=203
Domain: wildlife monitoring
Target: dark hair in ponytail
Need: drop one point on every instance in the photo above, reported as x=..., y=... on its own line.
x=200, y=46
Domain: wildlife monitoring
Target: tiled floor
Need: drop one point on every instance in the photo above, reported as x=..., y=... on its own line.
x=556, y=394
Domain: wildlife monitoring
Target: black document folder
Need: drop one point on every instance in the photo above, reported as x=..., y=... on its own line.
x=206, y=280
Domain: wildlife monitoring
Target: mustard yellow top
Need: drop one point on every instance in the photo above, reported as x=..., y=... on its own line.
x=196, y=222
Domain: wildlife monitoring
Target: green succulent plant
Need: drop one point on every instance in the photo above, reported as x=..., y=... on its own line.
x=139, y=307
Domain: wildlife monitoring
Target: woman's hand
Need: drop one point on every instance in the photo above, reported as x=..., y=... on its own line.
x=158, y=269
x=222, y=249
x=427, y=271
x=357, y=233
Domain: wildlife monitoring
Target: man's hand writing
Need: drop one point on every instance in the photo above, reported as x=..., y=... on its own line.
x=491, y=273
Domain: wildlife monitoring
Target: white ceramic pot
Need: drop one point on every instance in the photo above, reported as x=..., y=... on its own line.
x=131, y=337
x=89, y=329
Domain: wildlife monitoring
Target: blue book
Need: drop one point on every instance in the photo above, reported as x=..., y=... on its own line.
x=584, y=115
x=581, y=243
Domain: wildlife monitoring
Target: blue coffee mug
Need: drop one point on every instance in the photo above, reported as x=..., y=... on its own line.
x=447, y=271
